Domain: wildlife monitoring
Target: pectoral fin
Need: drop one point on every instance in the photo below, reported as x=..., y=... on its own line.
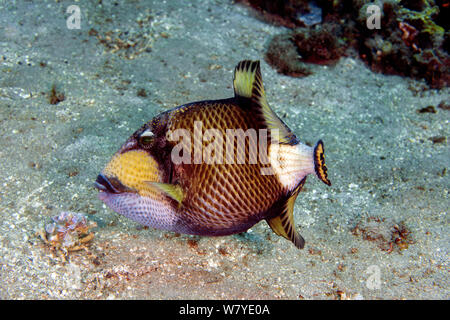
x=283, y=224
x=174, y=191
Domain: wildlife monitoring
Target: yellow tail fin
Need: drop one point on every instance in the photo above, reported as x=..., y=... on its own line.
x=319, y=163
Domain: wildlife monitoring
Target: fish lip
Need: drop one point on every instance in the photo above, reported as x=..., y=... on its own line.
x=103, y=195
x=109, y=185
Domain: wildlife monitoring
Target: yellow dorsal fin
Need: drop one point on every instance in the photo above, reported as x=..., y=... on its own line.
x=248, y=84
x=244, y=77
x=172, y=190
x=283, y=224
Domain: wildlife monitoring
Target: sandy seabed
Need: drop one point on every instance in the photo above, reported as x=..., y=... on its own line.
x=128, y=62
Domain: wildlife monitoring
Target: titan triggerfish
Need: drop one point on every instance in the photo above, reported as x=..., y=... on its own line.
x=214, y=167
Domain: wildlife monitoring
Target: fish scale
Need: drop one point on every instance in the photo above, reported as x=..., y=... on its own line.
x=240, y=197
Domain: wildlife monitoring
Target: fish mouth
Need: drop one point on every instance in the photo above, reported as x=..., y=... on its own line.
x=110, y=185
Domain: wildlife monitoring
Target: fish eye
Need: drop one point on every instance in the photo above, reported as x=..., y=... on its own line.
x=146, y=138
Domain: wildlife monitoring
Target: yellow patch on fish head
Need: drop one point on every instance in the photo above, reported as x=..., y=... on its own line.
x=134, y=169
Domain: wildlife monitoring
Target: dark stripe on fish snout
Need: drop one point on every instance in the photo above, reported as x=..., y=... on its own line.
x=111, y=185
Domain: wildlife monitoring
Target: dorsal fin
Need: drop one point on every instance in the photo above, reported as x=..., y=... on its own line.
x=283, y=224
x=248, y=84
x=174, y=191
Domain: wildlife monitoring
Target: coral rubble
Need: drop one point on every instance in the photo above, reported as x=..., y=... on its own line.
x=412, y=40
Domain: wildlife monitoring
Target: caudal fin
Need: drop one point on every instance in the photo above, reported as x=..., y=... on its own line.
x=319, y=163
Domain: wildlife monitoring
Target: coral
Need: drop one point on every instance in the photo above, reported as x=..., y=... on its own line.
x=444, y=105
x=421, y=14
x=318, y=45
x=413, y=39
x=283, y=12
x=283, y=56
x=416, y=43
x=290, y=53
x=385, y=232
x=55, y=97
x=130, y=43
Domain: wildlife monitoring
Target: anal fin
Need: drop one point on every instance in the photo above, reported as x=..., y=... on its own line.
x=283, y=224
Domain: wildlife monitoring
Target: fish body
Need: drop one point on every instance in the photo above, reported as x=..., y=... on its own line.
x=213, y=167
